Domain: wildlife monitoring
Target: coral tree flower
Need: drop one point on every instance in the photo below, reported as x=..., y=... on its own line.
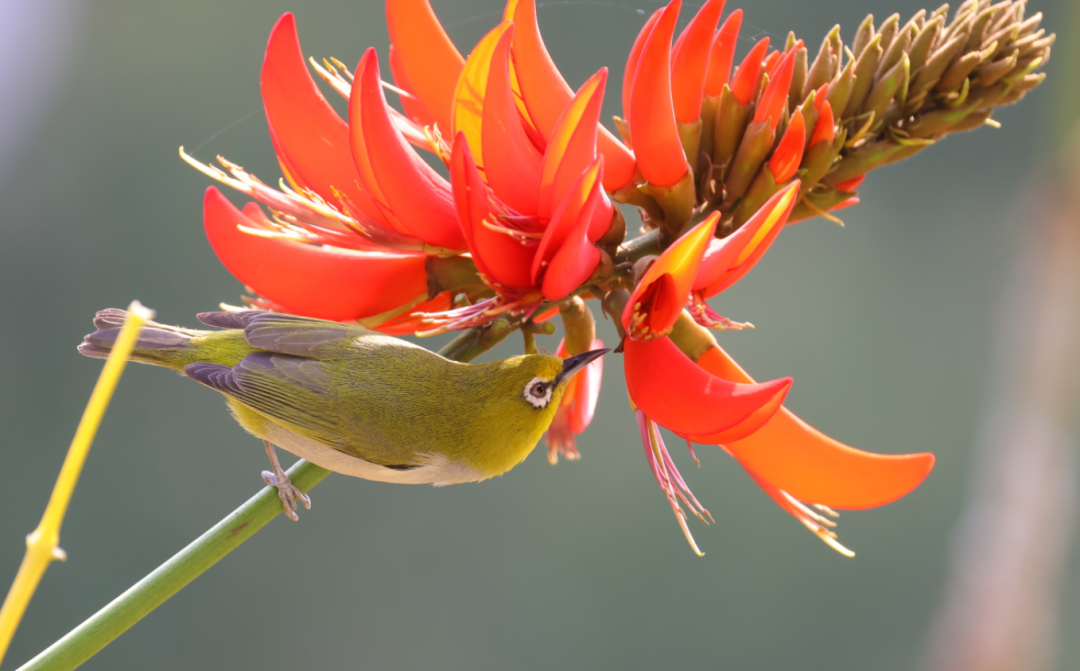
x=703, y=396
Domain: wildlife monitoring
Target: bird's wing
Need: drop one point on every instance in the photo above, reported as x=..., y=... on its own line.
x=292, y=334
x=291, y=389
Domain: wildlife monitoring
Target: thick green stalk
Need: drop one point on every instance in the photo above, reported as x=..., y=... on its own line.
x=87, y=639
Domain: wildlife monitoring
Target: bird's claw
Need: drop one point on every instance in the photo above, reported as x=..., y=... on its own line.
x=287, y=492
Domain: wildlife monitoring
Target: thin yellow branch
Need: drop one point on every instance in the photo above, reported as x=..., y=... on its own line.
x=42, y=546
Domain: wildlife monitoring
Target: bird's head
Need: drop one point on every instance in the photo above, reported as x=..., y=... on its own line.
x=542, y=378
x=523, y=394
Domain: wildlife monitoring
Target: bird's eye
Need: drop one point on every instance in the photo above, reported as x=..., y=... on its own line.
x=538, y=392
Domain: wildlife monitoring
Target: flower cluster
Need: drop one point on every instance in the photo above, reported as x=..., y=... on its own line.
x=519, y=221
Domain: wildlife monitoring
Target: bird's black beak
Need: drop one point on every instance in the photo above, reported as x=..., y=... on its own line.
x=571, y=365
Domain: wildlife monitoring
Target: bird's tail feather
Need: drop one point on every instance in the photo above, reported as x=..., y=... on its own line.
x=158, y=344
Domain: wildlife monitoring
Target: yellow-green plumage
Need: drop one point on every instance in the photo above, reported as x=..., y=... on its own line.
x=387, y=409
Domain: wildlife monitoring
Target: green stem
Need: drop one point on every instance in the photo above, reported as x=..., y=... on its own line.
x=87, y=639
x=84, y=641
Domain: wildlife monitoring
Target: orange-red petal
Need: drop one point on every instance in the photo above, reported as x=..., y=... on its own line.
x=414, y=107
x=744, y=83
x=722, y=54
x=511, y=161
x=682, y=396
x=467, y=107
x=416, y=195
x=775, y=97
x=585, y=391
x=565, y=219
x=504, y=260
x=572, y=146
x=310, y=137
x=546, y=94
x=727, y=260
x=634, y=58
x=429, y=60
x=690, y=61
x=312, y=280
x=785, y=160
x=653, y=129
x=824, y=130
x=795, y=457
x=577, y=258
x=663, y=291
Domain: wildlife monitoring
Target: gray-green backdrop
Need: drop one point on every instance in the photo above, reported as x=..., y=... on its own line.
x=885, y=326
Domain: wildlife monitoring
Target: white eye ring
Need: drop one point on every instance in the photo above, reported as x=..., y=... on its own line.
x=538, y=392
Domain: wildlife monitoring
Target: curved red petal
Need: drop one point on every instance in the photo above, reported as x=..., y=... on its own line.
x=467, y=107
x=503, y=260
x=634, y=58
x=311, y=138
x=566, y=218
x=744, y=83
x=824, y=128
x=722, y=54
x=690, y=61
x=586, y=389
x=788, y=154
x=577, y=258
x=850, y=184
x=572, y=146
x=511, y=161
x=653, y=129
x=414, y=107
x=417, y=195
x=663, y=291
x=323, y=282
x=795, y=457
x=727, y=260
x=684, y=397
x=773, y=100
x=429, y=60
x=546, y=94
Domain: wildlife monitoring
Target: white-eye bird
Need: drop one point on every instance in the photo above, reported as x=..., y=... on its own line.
x=355, y=401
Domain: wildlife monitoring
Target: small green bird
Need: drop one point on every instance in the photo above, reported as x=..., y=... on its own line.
x=355, y=401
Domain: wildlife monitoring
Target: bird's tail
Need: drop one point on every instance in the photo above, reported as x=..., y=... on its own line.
x=158, y=344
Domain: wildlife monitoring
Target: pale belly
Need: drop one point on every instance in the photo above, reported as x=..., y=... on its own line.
x=436, y=469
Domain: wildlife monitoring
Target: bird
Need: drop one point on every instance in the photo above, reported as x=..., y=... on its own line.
x=355, y=401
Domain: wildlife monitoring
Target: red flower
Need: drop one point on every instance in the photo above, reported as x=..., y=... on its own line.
x=576, y=408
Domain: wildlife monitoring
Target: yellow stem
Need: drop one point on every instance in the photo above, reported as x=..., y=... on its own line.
x=42, y=546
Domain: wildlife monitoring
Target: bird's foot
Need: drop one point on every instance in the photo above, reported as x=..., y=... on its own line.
x=287, y=492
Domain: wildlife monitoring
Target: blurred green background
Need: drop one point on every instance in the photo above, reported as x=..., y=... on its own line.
x=886, y=326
